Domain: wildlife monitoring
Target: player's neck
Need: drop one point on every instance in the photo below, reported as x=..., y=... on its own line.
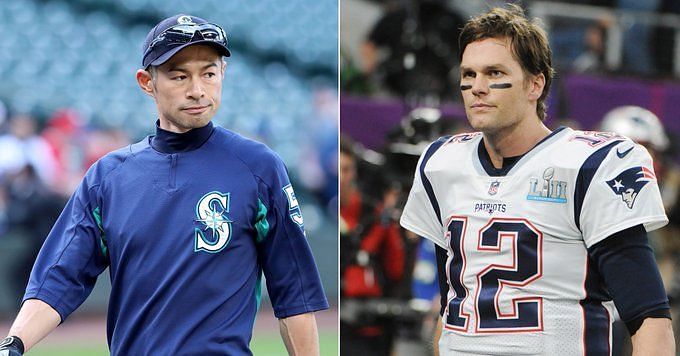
x=514, y=141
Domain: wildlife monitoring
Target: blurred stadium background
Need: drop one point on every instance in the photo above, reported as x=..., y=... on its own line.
x=399, y=64
x=69, y=96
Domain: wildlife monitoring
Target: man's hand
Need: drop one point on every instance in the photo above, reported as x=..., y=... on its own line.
x=11, y=346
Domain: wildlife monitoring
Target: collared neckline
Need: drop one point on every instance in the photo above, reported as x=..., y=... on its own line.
x=172, y=142
x=508, y=162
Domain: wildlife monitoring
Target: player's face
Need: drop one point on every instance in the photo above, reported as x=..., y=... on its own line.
x=495, y=91
x=347, y=170
x=188, y=88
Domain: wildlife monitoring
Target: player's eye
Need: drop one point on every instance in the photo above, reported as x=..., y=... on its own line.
x=496, y=73
x=210, y=75
x=178, y=77
x=468, y=74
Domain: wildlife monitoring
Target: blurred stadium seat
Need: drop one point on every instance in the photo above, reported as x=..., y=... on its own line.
x=84, y=56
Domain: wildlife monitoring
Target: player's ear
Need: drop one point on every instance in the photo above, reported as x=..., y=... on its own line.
x=224, y=67
x=536, y=86
x=145, y=81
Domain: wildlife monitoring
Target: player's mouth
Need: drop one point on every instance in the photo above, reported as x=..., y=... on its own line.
x=480, y=106
x=194, y=110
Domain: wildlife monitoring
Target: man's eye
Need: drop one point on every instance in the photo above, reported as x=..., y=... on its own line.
x=179, y=77
x=210, y=74
x=496, y=73
x=469, y=75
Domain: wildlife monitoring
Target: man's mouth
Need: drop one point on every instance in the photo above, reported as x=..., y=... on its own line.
x=198, y=109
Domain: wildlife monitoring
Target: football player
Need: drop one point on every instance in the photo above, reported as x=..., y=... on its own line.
x=536, y=229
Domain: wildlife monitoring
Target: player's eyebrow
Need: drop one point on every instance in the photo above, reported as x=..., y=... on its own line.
x=490, y=67
x=182, y=69
x=212, y=64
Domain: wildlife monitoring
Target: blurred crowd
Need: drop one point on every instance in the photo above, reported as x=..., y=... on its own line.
x=41, y=164
x=410, y=49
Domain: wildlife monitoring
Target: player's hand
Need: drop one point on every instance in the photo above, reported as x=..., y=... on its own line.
x=11, y=346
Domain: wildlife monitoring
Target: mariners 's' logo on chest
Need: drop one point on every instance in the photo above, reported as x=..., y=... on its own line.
x=214, y=231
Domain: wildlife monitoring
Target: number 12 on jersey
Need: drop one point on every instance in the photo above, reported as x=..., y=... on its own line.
x=526, y=267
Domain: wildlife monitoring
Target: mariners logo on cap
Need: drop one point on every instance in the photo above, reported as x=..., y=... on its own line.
x=183, y=20
x=629, y=183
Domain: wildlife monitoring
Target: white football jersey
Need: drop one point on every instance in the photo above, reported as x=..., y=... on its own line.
x=519, y=277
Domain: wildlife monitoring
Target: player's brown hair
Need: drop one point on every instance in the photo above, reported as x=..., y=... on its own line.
x=528, y=42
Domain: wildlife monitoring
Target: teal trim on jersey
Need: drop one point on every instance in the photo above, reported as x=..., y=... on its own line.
x=96, y=213
x=258, y=292
x=261, y=223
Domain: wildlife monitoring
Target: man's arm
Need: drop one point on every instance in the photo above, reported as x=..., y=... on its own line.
x=300, y=334
x=655, y=337
x=627, y=264
x=437, y=335
x=36, y=319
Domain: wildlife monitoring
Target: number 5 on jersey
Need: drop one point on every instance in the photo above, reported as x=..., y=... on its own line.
x=526, y=267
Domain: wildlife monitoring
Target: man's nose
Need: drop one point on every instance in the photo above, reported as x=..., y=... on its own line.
x=196, y=90
x=480, y=85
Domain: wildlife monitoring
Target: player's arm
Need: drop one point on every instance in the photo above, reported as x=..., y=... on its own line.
x=655, y=337
x=443, y=292
x=300, y=335
x=36, y=319
x=293, y=281
x=627, y=264
x=437, y=336
x=66, y=268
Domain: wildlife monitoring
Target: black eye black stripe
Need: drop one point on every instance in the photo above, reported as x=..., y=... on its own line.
x=492, y=86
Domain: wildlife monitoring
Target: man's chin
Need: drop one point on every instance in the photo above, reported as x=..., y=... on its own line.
x=195, y=122
x=480, y=122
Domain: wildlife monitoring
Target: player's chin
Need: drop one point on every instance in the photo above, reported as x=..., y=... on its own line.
x=198, y=120
x=480, y=122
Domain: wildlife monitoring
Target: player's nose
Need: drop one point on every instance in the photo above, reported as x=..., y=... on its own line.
x=480, y=85
x=196, y=90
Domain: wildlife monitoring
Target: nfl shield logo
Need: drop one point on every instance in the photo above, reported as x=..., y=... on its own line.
x=493, y=188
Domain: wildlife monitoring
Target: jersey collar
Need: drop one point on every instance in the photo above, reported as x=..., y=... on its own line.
x=508, y=162
x=172, y=142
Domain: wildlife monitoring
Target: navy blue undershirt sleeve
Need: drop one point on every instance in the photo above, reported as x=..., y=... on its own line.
x=441, y=274
x=626, y=262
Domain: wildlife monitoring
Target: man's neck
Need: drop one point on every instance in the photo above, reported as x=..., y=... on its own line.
x=514, y=141
x=171, y=127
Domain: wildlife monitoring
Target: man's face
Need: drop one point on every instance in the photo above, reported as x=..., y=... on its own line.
x=188, y=88
x=495, y=92
x=347, y=171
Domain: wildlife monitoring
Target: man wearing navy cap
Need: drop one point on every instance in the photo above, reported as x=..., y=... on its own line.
x=187, y=220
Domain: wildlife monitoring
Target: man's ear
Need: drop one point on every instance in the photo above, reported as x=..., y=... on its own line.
x=145, y=81
x=536, y=86
x=224, y=67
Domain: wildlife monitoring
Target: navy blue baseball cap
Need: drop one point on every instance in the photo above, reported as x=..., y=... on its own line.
x=177, y=32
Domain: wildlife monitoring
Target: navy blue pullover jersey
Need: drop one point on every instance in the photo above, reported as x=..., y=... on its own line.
x=186, y=223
